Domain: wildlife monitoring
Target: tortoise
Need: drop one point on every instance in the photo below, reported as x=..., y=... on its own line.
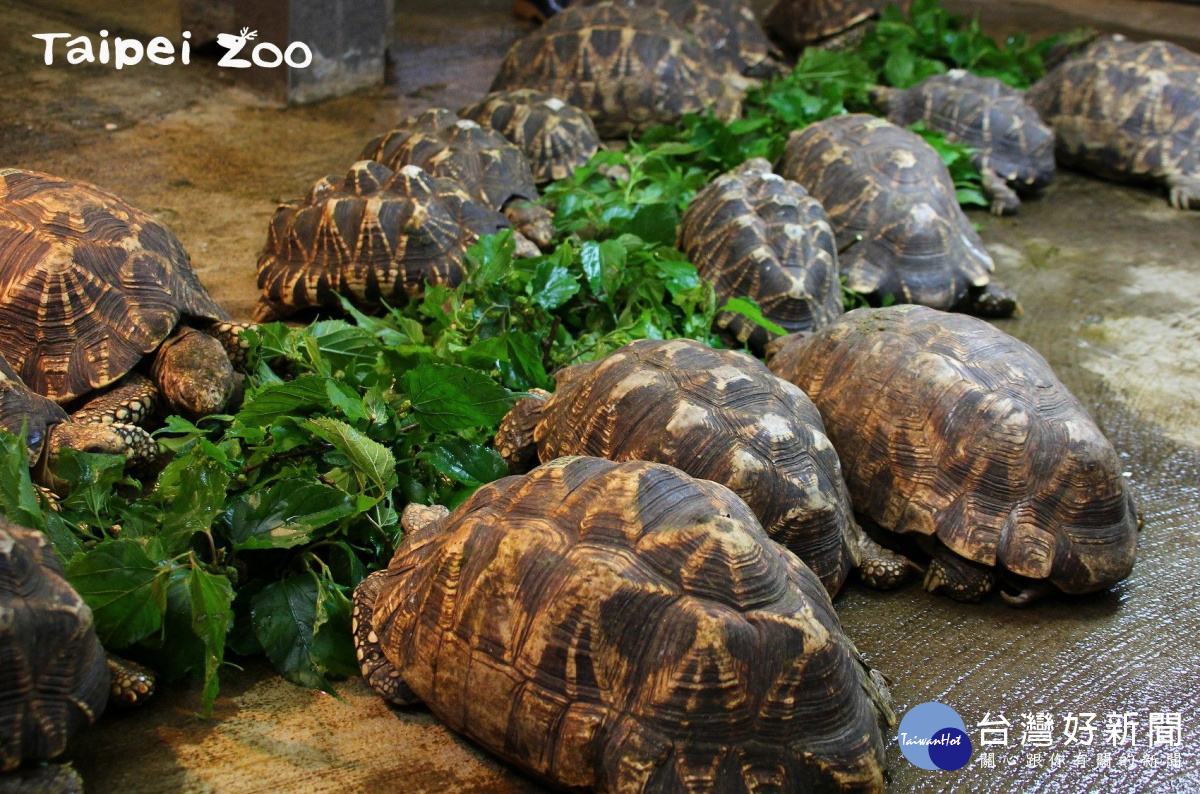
x=374, y=235
x=48, y=429
x=716, y=414
x=1129, y=112
x=1011, y=146
x=90, y=288
x=555, y=137
x=493, y=171
x=901, y=233
x=955, y=433
x=57, y=678
x=627, y=68
x=753, y=233
x=623, y=627
x=728, y=31
x=830, y=24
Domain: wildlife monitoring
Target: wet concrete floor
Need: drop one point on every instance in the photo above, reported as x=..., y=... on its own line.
x=1109, y=278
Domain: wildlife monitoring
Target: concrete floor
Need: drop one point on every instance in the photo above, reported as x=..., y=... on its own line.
x=1109, y=277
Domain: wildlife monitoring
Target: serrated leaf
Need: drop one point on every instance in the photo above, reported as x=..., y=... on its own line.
x=346, y=400
x=369, y=458
x=303, y=395
x=18, y=500
x=125, y=589
x=552, y=285
x=284, y=616
x=286, y=514
x=212, y=617
x=449, y=397
x=465, y=462
x=194, y=502
x=333, y=644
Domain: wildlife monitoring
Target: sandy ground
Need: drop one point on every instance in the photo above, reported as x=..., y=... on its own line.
x=1109, y=277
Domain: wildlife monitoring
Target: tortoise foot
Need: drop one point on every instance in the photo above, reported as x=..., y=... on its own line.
x=376, y=670
x=132, y=683
x=953, y=576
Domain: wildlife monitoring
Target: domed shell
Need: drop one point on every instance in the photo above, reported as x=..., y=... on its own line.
x=624, y=627
x=21, y=406
x=1005, y=132
x=627, y=68
x=754, y=234
x=799, y=23
x=88, y=284
x=901, y=234
x=555, y=137
x=949, y=427
x=1128, y=111
x=56, y=678
x=719, y=415
x=490, y=169
x=374, y=235
x=727, y=30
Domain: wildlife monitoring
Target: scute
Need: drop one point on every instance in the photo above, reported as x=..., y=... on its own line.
x=56, y=677
x=372, y=236
x=88, y=284
x=800, y=23
x=585, y=648
x=556, y=137
x=947, y=426
x=627, y=68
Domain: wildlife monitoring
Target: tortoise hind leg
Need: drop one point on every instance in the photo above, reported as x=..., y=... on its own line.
x=1185, y=192
x=881, y=568
x=132, y=684
x=960, y=579
x=377, y=671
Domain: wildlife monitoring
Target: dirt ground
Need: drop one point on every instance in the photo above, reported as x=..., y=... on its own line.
x=1109, y=278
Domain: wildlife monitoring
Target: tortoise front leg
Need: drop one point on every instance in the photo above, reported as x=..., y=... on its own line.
x=131, y=401
x=131, y=683
x=1185, y=191
x=231, y=335
x=878, y=567
x=1003, y=198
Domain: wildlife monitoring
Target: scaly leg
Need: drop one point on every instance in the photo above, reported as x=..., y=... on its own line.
x=131, y=401
x=1003, y=198
x=232, y=338
x=956, y=577
x=378, y=672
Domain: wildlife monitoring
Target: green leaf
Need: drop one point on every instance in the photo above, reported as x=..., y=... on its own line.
x=552, y=285
x=18, y=500
x=212, y=617
x=449, y=397
x=369, y=458
x=346, y=400
x=333, y=643
x=125, y=589
x=465, y=462
x=284, y=616
x=91, y=479
x=286, y=514
x=194, y=501
x=303, y=395
x=750, y=310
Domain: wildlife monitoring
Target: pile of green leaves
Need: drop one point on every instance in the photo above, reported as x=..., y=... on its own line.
x=253, y=537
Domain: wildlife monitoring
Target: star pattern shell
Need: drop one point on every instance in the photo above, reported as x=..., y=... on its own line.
x=20, y=407
x=900, y=230
x=56, y=677
x=799, y=23
x=948, y=426
x=627, y=68
x=755, y=234
x=727, y=30
x=489, y=168
x=624, y=627
x=373, y=236
x=555, y=137
x=1005, y=132
x=1127, y=111
x=88, y=284
x=719, y=415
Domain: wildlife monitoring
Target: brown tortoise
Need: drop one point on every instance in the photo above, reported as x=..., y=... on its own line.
x=56, y=679
x=627, y=68
x=623, y=627
x=954, y=432
x=373, y=236
x=726, y=29
x=1129, y=112
x=832, y=24
x=716, y=414
x=90, y=287
x=754, y=234
x=556, y=137
x=901, y=233
x=1011, y=146
x=48, y=429
x=493, y=171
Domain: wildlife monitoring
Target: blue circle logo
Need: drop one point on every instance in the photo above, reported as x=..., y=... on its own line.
x=933, y=736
